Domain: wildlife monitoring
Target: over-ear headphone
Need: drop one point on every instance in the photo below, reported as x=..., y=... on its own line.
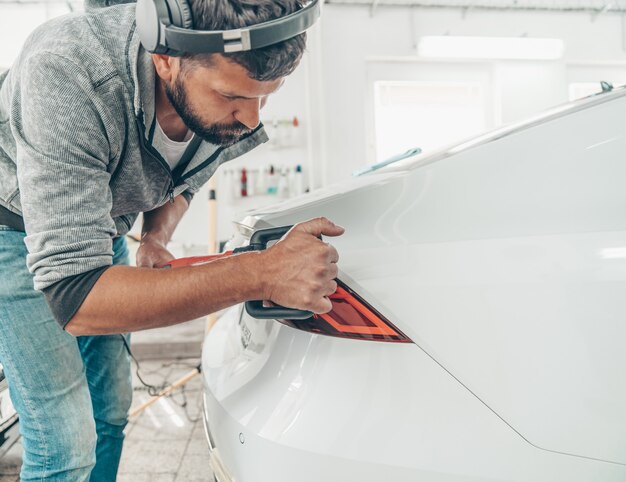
x=166, y=27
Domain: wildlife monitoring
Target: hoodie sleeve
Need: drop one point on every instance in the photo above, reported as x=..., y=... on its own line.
x=62, y=157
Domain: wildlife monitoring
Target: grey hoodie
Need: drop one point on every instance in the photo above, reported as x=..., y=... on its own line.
x=75, y=158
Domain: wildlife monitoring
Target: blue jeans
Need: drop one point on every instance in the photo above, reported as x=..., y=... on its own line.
x=72, y=393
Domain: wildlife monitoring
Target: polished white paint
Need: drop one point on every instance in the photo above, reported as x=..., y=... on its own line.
x=503, y=260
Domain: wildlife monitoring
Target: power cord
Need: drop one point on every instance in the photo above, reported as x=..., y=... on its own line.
x=153, y=390
x=156, y=390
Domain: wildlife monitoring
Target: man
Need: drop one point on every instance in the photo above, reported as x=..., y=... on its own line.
x=93, y=130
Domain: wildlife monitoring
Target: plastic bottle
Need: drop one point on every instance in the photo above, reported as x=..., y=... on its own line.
x=251, y=183
x=244, y=182
x=298, y=181
x=283, y=184
x=291, y=179
x=272, y=182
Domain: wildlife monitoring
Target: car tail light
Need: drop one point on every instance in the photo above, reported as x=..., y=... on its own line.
x=351, y=317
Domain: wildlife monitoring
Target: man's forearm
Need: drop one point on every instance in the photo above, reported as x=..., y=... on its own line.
x=128, y=299
x=298, y=271
x=160, y=223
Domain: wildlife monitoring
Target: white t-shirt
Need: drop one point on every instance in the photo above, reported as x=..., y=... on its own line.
x=171, y=150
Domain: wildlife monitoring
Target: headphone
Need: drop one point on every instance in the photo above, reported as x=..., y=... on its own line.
x=166, y=27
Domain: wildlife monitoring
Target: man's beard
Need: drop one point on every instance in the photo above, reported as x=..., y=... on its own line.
x=219, y=134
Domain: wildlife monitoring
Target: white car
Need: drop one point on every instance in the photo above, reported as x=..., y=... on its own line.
x=484, y=338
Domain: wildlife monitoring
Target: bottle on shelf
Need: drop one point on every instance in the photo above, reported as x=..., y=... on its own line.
x=283, y=184
x=272, y=182
x=291, y=177
x=298, y=181
x=251, y=183
x=244, y=182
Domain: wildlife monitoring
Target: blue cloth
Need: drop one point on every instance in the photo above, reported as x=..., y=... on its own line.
x=414, y=151
x=72, y=393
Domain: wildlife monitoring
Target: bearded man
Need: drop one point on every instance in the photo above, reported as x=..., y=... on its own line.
x=94, y=130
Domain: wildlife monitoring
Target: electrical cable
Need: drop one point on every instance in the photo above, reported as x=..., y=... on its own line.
x=154, y=390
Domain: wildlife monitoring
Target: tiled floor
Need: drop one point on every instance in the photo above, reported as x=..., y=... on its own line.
x=165, y=443
x=10, y=464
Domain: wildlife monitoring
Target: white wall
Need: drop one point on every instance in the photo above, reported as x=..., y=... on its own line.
x=17, y=21
x=354, y=43
x=332, y=91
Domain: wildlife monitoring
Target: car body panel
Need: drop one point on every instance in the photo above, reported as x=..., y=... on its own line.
x=295, y=397
x=505, y=262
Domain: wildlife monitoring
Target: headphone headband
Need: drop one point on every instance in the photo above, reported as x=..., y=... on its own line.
x=159, y=34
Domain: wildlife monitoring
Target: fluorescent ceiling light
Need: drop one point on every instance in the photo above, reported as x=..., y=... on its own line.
x=524, y=48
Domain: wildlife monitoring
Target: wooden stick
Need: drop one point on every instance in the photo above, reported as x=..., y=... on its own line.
x=212, y=239
x=165, y=392
x=211, y=319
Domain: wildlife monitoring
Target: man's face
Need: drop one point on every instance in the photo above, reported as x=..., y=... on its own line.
x=220, y=103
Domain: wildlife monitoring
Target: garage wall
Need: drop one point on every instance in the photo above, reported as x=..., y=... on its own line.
x=332, y=92
x=354, y=42
x=17, y=21
x=350, y=49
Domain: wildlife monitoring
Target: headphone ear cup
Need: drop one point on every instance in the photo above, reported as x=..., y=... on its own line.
x=148, y=25
x=181, y=13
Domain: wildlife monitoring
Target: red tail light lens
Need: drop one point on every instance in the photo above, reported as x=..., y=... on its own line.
x=351, y=317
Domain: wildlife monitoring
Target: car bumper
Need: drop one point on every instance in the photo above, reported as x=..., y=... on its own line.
x=284, y=405
x=215, y=461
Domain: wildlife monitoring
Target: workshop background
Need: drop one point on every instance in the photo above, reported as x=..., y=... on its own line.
x=379, y=77
x=383, y=76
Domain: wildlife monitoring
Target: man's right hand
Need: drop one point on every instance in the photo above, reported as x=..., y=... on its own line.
x=299, y=271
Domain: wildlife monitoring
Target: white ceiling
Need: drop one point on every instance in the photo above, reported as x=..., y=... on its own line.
x=51, y=2
x=614, y=6
x=608, y=6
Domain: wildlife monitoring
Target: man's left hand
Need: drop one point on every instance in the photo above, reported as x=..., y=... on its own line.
x=152, y=254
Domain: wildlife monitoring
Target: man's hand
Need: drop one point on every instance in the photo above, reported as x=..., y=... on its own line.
x=300, y=269
x=157, y=229
x=152, y=254
x=297, y=272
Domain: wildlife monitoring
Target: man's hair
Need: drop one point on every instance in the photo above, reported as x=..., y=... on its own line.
x=268, y=63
